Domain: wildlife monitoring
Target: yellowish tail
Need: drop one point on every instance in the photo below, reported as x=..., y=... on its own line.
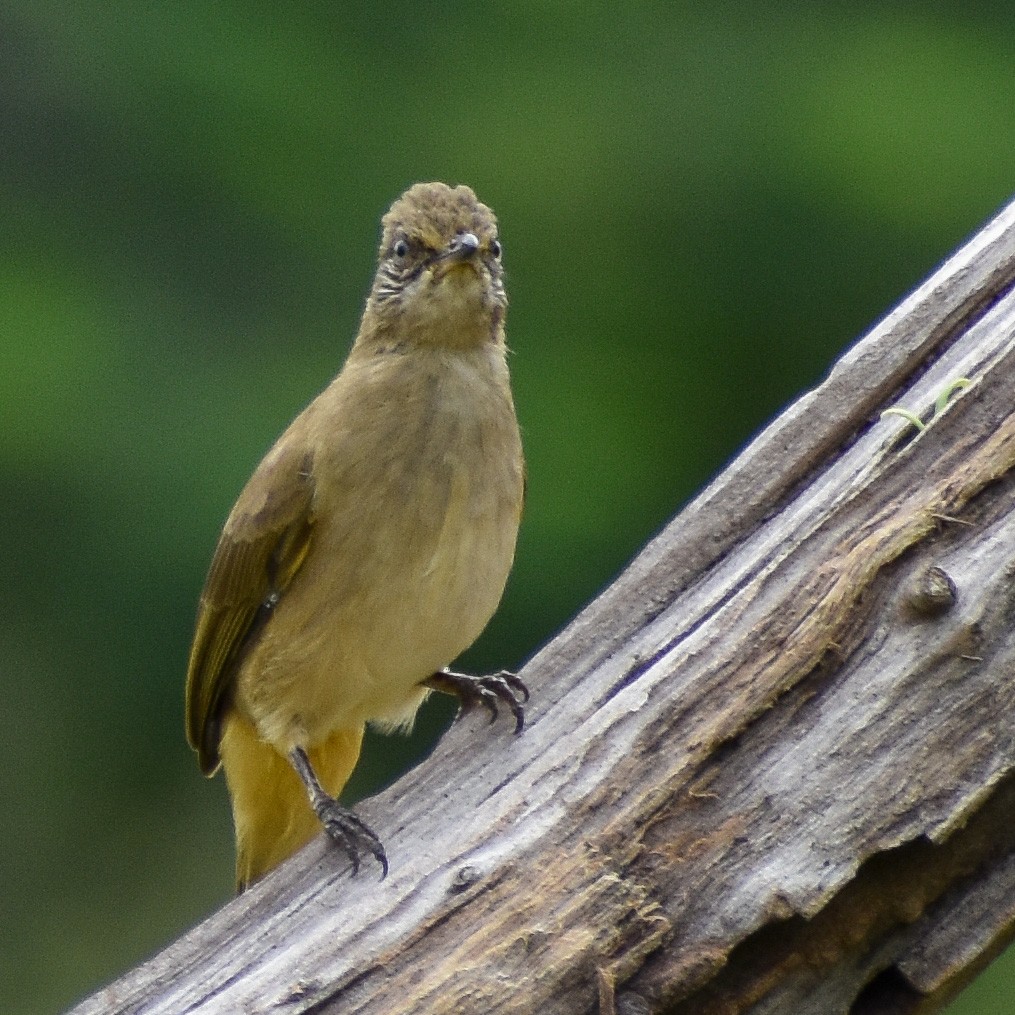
x=271, y=810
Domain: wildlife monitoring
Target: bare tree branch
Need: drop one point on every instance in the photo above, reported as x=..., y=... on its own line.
x=769, y=770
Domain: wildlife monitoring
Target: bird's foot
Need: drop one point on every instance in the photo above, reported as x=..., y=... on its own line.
x=350, y=832
x=504, y=687
x=345, y=828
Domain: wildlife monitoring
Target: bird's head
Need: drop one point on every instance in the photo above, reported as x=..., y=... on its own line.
x=439, y=281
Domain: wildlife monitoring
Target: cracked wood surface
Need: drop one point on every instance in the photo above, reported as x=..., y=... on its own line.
x=766, y=771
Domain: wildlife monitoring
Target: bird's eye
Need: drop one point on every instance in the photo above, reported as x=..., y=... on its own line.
x=495, y=248
x=400, y=249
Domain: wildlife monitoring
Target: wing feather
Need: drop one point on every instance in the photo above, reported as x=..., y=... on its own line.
x=263, y=544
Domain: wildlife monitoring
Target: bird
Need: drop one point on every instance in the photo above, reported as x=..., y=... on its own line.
x=371, y=545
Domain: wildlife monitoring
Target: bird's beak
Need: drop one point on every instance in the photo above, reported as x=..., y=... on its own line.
x=462, y=248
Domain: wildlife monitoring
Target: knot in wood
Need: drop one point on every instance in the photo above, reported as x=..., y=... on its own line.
x=932, y=592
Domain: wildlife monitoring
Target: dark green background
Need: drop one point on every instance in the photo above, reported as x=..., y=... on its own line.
x=701, y=206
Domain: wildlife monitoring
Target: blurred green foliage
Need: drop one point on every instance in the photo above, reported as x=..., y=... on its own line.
x=701, y=206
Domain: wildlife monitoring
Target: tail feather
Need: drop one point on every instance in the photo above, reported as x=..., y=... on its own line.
x=271, y=810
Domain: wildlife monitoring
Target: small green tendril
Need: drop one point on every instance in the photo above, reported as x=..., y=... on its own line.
x=947, y=391
x=940, y=404
x=905, y=414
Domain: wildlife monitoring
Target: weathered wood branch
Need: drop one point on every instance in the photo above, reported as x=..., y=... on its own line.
x=769, y=770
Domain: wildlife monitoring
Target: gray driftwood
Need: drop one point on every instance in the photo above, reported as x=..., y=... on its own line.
x=769, y=770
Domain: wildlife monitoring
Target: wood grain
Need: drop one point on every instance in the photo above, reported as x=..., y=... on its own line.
x=760, y=773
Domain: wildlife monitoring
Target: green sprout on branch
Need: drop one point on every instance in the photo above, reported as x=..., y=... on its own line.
x=940, y=403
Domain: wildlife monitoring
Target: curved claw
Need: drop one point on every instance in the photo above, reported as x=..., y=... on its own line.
x=344, y=827
x=504, y=687
x=514, y=682
x=350, y=832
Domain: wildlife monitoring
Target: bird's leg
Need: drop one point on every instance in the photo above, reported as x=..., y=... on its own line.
x=505, y=687
x=347, y=830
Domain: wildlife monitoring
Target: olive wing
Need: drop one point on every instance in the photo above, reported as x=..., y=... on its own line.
x=263, y=544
